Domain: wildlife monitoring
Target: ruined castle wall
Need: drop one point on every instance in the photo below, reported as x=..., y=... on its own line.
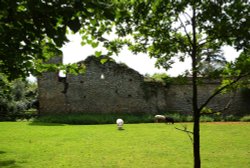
x=51, y=98
x=104, y=88
x=115, y=88
x=180, y=99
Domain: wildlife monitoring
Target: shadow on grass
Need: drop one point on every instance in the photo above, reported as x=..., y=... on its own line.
x=2, y=152
x=34, y=123
x=8, y=163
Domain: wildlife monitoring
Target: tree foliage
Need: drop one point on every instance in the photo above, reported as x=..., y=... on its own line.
x=16, y=97
x=163, y=29
x=26, y=25
x=162, y=77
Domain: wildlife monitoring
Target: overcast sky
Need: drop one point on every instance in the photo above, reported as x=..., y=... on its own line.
x=74, y=52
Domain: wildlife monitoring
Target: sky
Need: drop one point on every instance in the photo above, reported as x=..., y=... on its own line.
x=74, y=52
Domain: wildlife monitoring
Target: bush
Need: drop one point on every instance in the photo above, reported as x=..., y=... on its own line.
x=88, y=119
x=162, y=77
x=245, y=118
x=231, y=118
x=180, y=118
x=107, y=118
x=206, y=119
x=177, y=117
x=217, y=117
x=16, y=97
x=189, y=118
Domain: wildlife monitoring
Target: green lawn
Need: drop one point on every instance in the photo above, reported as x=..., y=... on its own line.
x=27, y=145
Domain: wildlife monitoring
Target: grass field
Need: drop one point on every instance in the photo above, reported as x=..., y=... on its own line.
x=29, y=145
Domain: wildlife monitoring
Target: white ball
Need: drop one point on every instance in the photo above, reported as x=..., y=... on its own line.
x=119, y=122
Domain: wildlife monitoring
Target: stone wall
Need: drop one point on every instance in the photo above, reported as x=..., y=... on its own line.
x=115, y=88
x=104, y=88
x=229, y=103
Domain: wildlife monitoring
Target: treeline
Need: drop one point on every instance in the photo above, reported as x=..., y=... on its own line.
x=18, y=98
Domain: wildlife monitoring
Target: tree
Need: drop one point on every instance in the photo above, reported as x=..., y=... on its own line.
x=196, y=29
x=161, y=77
x=26, y=25
x=16, y=97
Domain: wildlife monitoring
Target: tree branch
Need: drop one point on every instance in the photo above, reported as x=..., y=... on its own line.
x=188, y=50
x=187, y=15
x=229, y=102
x=225, y=108
x=186, y=131
x=184, y=27
x=206, y=40
x=221, y=89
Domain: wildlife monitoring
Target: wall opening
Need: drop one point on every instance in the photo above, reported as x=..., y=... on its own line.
x=102, y=76
x=62, y=77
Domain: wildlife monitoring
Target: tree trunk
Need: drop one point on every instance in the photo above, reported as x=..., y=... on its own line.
x=196, y=138
x=196, y=116
x=196, y=110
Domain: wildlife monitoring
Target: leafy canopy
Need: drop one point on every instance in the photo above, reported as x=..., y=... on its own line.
x=166, y=28
x=26, y=26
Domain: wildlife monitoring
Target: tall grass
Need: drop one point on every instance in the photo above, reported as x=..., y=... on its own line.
x=207, y=118
x=87, y=119
x=245, y=118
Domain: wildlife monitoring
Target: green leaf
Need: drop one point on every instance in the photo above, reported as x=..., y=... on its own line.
x=94, y=44
x=98, y=53
x=104, y=60
x=93, y=22
x=83, y=43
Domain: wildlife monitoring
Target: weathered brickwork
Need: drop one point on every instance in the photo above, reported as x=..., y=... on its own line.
x=115, y=88
x=180, y=99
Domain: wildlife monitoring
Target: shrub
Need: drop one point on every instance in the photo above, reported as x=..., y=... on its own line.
x=231, y=118
x=189, y=118
x=245, y=118
x=180, y=118
x=175, y=116
x=206, y=119
x=162, y=77
x=16, y=97
x=217, y=117
x=87, y=119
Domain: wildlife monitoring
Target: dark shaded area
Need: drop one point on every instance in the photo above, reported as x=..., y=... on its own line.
x=90, y=119
x=35, y=123
x=2, y=152
x=7, y=163
x=64, y=81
